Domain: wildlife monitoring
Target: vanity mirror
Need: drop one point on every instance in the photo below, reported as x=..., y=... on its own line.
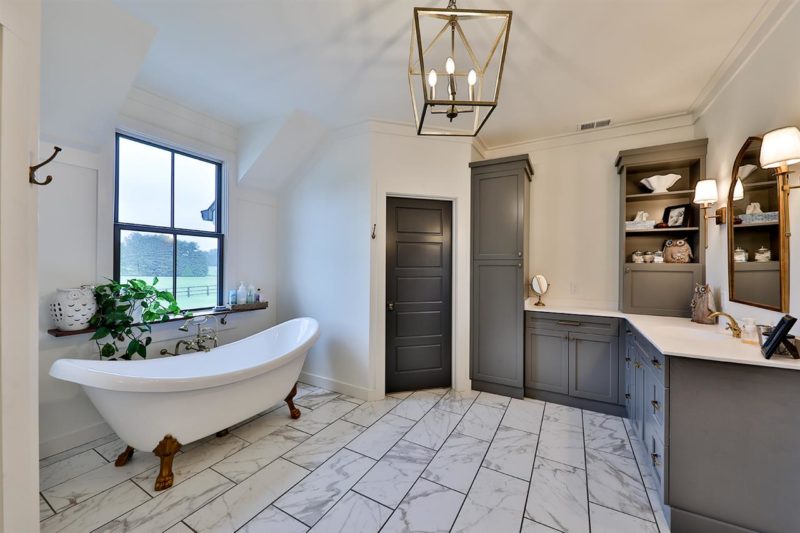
x=758, y=244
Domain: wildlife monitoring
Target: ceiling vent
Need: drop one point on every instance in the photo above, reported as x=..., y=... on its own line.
x=594, y=125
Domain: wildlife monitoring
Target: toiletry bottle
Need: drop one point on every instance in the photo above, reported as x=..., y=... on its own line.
x=241, y=294
x=251, y=294
x=232, y=297
x=259, y=296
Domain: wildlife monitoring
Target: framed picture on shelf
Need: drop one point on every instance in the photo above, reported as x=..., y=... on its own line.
x=677, y=216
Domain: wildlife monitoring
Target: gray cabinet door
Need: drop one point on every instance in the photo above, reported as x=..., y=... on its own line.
x=498, y=215
x=547, y=360
x=663, y=289
x=497, y=323
x=637, y=392
x=593, y=367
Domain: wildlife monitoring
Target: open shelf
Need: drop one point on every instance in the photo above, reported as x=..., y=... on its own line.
x=658, y=195
x=760, y=185
x=663, y=230
x=756, y=224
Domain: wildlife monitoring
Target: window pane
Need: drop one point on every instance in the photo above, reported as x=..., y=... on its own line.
x=145, y=256
x=195, y=194
x=145, y=176
x=197, y=272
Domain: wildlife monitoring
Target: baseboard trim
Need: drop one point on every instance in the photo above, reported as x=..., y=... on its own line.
x=580, y=403
x=688, y=522
x=76, y=438
x=339, y=386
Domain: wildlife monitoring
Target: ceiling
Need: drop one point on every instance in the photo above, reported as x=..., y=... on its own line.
x=341, y=61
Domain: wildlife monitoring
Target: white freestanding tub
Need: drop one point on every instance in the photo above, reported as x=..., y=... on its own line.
x=194, y=395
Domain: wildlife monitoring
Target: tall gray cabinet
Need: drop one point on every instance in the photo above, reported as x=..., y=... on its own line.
x=500, y=206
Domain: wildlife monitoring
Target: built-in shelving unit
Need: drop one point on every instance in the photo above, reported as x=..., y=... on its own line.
x=660, y=288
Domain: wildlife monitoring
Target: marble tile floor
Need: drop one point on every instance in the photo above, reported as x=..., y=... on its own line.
x=427, y=461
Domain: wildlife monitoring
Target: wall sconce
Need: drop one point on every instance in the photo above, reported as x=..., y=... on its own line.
x=705, y=194
x=780, y=149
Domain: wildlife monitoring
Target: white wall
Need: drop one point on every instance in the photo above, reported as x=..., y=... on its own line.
x=574, y=238
x=324, y=232
x=75, y=245
x=421, y=167
x=763, y=96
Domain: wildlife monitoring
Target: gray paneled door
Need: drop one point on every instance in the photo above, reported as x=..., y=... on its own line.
x=418, y=294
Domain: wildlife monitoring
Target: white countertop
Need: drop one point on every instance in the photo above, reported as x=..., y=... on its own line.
x=680, y=337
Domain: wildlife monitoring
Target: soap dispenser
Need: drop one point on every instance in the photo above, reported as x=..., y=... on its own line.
x=251, y=294
x=241, y=294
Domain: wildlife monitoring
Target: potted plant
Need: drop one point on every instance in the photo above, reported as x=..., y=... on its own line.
x=121, y=332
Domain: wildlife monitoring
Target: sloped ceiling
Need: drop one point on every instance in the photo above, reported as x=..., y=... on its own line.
x=91, y=54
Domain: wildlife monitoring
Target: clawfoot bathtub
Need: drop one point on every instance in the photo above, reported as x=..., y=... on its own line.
x=160, y=404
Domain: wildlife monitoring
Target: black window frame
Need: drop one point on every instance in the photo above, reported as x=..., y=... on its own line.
x=175, y=232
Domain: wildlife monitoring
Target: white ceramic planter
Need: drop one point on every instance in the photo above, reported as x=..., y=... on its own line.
x=73, y=308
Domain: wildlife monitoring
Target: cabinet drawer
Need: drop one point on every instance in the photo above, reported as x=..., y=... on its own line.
x=655, y=403
x=654, y=442
x=597, y=325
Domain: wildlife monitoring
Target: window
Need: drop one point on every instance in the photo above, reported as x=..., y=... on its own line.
x=168, y=221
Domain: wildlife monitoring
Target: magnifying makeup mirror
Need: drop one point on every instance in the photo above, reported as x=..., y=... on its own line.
x=539, y=287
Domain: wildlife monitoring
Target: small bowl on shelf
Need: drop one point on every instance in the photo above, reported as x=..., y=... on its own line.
x=661, y=182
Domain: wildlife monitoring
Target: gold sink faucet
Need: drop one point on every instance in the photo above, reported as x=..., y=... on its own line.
x=736, y=331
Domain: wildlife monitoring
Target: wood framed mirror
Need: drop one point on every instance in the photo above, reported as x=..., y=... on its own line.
x=758, y=242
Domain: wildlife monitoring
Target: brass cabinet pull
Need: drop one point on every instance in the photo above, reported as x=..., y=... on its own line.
x=656, y=363
x=390, y=306
x=655, y=404
x=568, y=323
x=655, y=457
x=627, y=395
x=637, y=364
x=627, y=359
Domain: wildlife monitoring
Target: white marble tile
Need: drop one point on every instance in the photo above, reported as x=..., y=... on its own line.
x=316, y=398
x=457, y=402
x=97, y=510
x=85, y=486
x=389, y=480
x=246, y=462
x=433, y=429
x=512, y=452
x=76, y=450
x=379, y=438
x=180, y=527
x=493, y=400
x=557, y=497
x=193, y=462
x=170, y=506
x=271, y=520
x=525, y=415
x=562, y=443
x=427, y=508
x=266, y=424
x=352, y=399
x=529, y=526
x=572, y=416
x=318, y=419
x=614, y=482
x=415, y=406
x=369, y=412
x=607, y=434
x=658, y=510
x=317, y=449
x=495, y=503
x=44, y=509
x=440, y=391
x=481, y=422
x=310, y=499
x=53, y=474
x=353, y=513
x=233, y=509
x=457, y=462
x=111, y=450
x=606, y=520
x=400, y=395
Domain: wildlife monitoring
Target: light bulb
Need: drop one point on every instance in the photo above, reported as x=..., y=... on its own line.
x=450, y=65
x=432, y=78
x=472, y=77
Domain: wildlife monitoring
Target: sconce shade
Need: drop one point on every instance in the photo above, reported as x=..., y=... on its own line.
x=780, y=147
x=705, y=193
x=738, y=190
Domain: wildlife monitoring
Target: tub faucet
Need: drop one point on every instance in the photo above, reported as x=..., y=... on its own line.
x=206, y=337
x=736, y=331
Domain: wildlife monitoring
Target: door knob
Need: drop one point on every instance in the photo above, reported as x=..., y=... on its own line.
x=390, y=306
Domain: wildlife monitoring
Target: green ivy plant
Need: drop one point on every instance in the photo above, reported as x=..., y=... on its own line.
x=118, y=336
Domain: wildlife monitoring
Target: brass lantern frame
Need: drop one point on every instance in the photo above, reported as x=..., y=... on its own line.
x=451, y=16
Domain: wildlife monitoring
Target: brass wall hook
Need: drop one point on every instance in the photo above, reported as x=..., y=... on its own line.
x=33, y=169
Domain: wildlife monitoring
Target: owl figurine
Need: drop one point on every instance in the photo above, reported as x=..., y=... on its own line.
x=677, y=251
x=702, y=304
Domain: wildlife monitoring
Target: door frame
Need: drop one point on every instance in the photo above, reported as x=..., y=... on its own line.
x=378, y=288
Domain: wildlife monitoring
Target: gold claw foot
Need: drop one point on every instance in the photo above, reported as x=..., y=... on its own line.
x=222, y=433
x=124, y=457
x=166, y=451
x=294, y=412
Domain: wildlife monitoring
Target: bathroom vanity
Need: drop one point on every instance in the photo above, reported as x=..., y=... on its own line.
x=719, y=423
